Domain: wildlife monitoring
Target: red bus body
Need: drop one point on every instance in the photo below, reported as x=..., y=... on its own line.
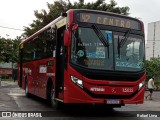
x=70, y=83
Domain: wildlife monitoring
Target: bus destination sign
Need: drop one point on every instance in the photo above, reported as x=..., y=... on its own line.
x=109, y=20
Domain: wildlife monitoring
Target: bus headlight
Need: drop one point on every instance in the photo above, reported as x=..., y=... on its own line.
x=141, y=85
x=77, y=81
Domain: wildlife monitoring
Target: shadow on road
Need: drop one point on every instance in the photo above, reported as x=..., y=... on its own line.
x=69, y=110
x=80, y=110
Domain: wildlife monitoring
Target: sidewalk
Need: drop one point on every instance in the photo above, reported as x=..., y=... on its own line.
x=6, y=101
x=156, y=96
x=8, y=83
x=149, y=105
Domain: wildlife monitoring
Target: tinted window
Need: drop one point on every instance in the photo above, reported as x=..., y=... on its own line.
x=40, y=47
x=88, y=51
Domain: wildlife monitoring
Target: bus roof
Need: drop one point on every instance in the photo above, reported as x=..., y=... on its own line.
x=52, y=24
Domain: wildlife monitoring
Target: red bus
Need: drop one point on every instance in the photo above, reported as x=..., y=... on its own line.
x=85, y=56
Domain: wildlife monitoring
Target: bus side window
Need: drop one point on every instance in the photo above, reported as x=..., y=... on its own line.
x=34, y=55
x=28, y=55
x=50, y=42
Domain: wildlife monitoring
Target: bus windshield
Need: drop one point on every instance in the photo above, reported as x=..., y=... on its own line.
x=87, y=50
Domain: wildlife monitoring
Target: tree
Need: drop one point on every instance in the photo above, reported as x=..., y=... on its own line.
x=100, y=5
x=152, y=67
x=9, y=50
x=15, y=49
x=5, y=49
x=43, y=17
x=2, y=42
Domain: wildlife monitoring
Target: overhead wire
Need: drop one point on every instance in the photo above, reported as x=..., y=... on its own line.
x=11, y=28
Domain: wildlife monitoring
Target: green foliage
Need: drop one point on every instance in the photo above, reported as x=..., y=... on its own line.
x=157, y=84
x=5, y=49
x=43, y=17
x=15, y=49
x=152, y=68
x=9, y=50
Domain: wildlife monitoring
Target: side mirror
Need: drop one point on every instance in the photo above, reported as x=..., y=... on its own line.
x=66, y=38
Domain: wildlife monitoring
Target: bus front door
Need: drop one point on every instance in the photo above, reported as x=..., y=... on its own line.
x=60, y=62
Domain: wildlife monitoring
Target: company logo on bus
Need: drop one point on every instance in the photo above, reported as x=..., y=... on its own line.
x=97, y=89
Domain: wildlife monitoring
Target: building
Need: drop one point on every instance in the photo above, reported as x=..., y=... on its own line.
x=153, y=40
x=7, y=70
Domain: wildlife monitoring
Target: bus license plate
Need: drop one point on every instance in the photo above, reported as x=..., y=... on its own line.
x=113, y=101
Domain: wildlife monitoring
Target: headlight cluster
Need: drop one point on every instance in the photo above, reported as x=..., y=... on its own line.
x=141, y=84
x=77, y=81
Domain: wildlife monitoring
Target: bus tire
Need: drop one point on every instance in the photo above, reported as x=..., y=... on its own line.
x=51, y=98
x=26, y=89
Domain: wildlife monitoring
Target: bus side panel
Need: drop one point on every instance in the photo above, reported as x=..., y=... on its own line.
x=44, y=72
x=30, y=84
x=29, y=74
x=37, y=74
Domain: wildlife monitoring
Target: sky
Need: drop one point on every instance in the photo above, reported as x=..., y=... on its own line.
x=19, y=13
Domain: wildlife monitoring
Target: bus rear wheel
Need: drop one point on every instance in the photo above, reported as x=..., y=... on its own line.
x=26, y=89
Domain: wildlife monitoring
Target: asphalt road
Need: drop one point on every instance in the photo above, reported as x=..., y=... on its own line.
x=13, y=99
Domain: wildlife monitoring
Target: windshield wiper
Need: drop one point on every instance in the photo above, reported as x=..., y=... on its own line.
x=125, y=37
x=122, y=42
x=101, y=37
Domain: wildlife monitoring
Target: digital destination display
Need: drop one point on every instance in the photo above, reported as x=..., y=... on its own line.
x=109, y=20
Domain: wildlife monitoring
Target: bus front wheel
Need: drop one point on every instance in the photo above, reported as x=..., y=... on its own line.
x=54, y=103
